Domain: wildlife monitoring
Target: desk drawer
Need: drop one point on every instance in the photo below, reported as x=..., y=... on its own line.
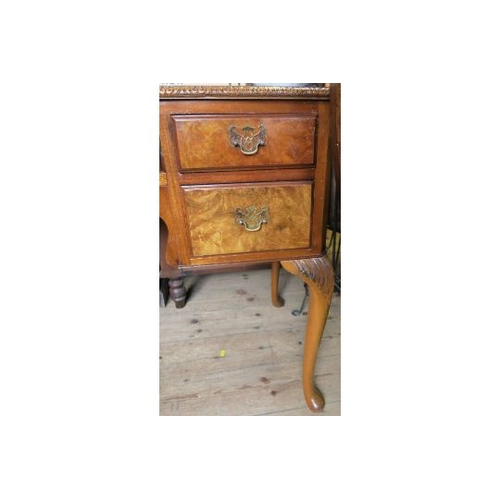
x=208, y=142
x=248, y=218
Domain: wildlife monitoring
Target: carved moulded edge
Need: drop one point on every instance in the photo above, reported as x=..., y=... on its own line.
x=233, y=92
x=319, y=270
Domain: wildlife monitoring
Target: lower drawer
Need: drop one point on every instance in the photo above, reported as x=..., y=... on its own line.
x=248, y=218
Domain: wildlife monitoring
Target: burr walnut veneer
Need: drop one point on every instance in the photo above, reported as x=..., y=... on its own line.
x=244, y=175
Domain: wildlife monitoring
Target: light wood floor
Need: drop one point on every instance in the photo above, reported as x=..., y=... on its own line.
x=230, y=352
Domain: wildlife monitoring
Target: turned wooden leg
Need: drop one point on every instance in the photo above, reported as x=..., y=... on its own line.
x=318, y=274
x=177, y=292
x=275, y=275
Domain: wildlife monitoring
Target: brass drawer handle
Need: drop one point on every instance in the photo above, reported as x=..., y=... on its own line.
x=252, y=218
x=248, y=141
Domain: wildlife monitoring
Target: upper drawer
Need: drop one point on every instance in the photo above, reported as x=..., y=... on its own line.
x=207, y=142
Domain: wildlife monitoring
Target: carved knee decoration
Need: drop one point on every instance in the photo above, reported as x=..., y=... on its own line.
x=318, y=274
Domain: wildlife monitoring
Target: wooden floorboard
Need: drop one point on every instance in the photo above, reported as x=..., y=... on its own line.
x=230, y=352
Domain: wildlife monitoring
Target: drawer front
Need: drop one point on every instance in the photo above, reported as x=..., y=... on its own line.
x=208, y=142
x=248, y=218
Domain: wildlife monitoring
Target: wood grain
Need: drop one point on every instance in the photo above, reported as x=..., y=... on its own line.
x=203, y=141
x=203, y=186
x=214, y=230
x=261, y=373
x=317, y=273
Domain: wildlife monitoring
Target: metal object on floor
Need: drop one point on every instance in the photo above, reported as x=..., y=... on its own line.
x=298, y=312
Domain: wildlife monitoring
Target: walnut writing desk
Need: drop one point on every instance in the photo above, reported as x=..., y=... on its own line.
x=244, y=176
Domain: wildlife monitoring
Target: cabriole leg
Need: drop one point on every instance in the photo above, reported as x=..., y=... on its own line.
x=275, y=274
x=318, y=274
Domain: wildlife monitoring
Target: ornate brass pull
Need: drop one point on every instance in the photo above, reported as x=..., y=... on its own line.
x=248, y=141
x=252, y=218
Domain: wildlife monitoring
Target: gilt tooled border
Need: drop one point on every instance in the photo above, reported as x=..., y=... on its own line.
x=194, y=91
